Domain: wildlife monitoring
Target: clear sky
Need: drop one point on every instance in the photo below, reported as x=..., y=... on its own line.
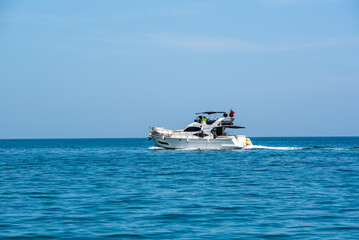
x=114, y=68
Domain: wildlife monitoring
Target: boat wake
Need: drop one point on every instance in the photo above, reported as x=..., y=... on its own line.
x=302, y=148
x=248, y=147
x=267, y=147
x=271, y=148
x=156, y=148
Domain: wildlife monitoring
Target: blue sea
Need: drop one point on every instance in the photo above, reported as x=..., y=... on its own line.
x=282, y=188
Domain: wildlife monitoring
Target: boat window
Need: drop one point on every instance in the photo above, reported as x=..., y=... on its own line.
x=201, y=134
x=219, y=130
x=163, y=142
x=192, y=129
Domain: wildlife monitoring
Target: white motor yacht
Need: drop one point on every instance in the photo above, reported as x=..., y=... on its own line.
x=206, y=132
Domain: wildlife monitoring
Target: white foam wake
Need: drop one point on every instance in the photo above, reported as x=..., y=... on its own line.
x=156, y=148
x=273, y=148
x=248, y=147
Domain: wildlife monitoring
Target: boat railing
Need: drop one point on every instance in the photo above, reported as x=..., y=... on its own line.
x=175, y=133
x=229, y=133
x=185, y=135
x=189, y=135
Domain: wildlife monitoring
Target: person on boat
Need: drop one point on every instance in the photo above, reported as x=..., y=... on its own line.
x=198, y=119
x=231, y=114
x=204, y=120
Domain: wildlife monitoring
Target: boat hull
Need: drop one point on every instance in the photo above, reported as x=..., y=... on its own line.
x=229, y=142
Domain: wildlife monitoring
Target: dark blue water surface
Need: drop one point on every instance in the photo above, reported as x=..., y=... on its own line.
x=289, y=188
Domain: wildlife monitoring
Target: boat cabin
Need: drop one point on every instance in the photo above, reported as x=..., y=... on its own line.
x=205, y=120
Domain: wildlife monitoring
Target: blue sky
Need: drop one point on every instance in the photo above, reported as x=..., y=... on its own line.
x=114, y=68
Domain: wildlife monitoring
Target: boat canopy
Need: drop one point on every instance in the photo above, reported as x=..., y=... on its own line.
x=235, y=127
x=209, y=112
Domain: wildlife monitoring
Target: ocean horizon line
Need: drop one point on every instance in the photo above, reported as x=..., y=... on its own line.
x=83, y=138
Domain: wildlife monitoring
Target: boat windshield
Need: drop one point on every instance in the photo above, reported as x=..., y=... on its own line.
x=210, y=117
x=192, y=129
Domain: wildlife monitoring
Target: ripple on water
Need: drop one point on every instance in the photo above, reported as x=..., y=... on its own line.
x=289, y=188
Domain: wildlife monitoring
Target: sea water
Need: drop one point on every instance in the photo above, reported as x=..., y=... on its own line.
x=285, y=188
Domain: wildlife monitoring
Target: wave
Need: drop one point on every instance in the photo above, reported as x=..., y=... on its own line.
x=301, y=148
x=330, y=148
x=320, y=147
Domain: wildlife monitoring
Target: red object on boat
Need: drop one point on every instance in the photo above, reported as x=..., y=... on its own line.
x=231, y=114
